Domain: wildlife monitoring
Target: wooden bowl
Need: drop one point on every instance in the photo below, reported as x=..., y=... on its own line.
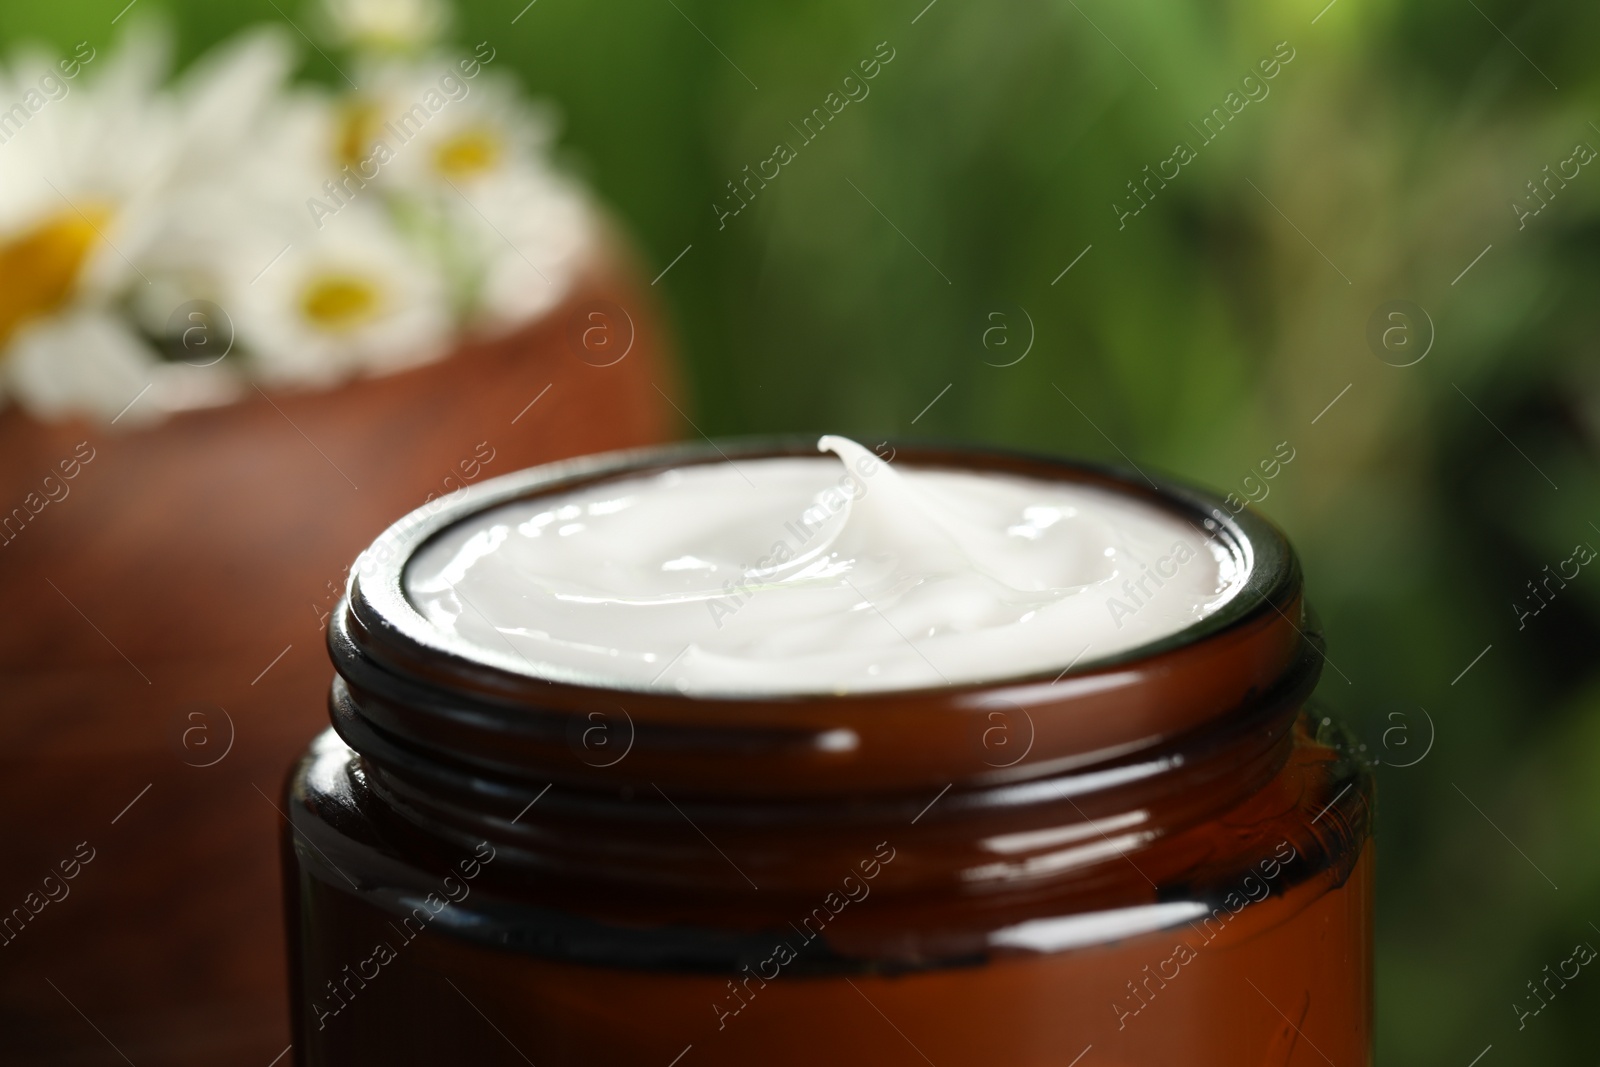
x=163, y=660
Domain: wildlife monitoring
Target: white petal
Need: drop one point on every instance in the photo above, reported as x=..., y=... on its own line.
x=87, y=363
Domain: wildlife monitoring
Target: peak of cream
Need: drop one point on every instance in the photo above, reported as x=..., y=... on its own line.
x=835, y=574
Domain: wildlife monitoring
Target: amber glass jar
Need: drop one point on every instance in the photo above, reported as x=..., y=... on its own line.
x=1154, y=859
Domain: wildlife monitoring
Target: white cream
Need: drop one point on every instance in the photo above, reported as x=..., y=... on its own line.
x=828, y=575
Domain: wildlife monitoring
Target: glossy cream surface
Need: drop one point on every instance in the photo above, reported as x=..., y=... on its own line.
x=841, y=573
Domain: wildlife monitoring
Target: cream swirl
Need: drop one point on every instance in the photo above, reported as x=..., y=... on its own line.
x=826, y=575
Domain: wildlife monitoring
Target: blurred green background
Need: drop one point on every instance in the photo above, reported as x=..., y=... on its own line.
x=919, y=241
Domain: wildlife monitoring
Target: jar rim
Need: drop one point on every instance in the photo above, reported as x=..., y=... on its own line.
x=435, y=686
x=1258, y=546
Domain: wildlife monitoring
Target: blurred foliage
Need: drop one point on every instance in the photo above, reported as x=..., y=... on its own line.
x=1191, y=340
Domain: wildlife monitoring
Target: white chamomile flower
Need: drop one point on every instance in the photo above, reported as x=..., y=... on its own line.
x=528, y=233
x=245, y=147
x=317, y=239
x=450, y=131
x=84, y=362
x=457, y=145
x=353, y=298
x=89, y=142
x=384, y=25
x=252, y=152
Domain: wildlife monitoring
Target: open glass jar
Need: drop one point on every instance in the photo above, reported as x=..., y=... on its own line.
x=1155, y=857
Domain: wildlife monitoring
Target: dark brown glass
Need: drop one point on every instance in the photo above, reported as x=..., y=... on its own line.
x=1157, y=858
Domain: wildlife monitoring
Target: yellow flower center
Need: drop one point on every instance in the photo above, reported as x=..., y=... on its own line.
x=39, y=266
x=359, y=123
x=340, y=302
x=468, y=153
